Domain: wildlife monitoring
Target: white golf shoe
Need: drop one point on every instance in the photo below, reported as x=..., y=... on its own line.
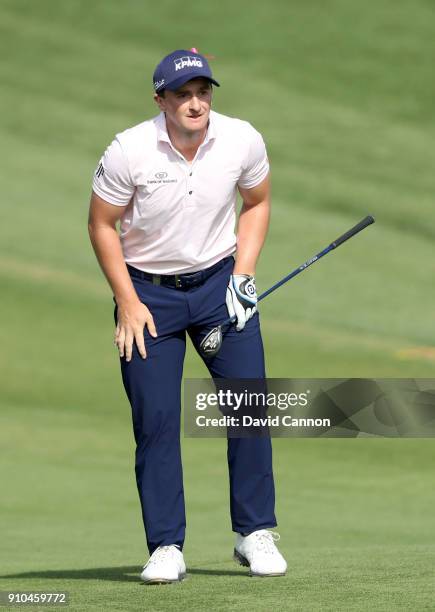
x=165, y=565
x=258, y=552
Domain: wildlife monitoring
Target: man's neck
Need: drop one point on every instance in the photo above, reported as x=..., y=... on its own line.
x=186, y=143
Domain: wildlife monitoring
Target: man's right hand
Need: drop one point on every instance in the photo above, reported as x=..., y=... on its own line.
x=132, y=314
x=132, y=319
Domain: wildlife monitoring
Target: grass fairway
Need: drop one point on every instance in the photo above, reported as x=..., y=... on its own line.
x=343, y=94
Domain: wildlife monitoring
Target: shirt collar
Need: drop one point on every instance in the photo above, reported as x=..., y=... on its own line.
x=162, y=132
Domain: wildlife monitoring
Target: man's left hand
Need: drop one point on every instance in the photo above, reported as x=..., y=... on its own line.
x=241, y=298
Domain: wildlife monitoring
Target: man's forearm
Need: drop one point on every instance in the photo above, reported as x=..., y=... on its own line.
x=251, y=234
x=107, y=247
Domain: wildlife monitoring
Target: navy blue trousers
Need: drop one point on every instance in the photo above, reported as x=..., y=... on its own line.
x=153, y=386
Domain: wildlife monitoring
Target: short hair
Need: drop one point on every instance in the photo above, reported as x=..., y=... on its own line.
x=162, y=92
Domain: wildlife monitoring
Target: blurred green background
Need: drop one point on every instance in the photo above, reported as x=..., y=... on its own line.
x=343, y=93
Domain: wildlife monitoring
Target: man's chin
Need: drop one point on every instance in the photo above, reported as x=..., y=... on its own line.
x=195, y=124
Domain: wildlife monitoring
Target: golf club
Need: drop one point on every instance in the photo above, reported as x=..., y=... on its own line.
x=212, y=342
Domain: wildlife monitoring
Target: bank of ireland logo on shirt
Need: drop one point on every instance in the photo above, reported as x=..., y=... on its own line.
x=188, y=61
x=161, y=177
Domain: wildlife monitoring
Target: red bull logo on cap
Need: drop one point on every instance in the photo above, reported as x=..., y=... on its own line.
x=187, y=62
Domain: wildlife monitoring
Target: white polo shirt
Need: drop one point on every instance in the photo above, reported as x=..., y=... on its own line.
x=180, y=215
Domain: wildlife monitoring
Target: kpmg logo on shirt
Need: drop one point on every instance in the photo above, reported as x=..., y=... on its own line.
x=187, y=62
x=161, y=177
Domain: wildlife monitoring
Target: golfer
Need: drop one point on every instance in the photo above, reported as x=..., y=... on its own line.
x=178, y=266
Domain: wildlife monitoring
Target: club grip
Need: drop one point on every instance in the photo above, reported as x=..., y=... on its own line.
x=353, y=230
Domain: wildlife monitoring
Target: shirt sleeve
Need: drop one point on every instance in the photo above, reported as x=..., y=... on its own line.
x=256, y=165
x=112, y=180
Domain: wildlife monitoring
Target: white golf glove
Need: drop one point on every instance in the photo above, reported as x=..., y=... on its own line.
x=241, y=298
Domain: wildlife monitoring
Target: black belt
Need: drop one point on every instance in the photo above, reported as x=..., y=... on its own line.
x=179, y=281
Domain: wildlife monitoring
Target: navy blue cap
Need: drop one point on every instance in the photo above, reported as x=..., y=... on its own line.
x=179, y=67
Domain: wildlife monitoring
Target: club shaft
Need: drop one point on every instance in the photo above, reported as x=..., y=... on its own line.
x=301, y=268
x=340, y=240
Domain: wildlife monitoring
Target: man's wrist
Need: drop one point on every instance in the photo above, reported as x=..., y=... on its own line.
x=243, y=270
x=126, y=301
x=244, y=265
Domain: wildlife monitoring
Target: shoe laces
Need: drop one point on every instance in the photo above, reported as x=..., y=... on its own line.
x=265, y=540
x=161, y=554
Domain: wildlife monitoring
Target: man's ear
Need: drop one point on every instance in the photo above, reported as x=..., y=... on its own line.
x=159, y=101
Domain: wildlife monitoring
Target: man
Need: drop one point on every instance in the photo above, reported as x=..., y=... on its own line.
x=172, y=183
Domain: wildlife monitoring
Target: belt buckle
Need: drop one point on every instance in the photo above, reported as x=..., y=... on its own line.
x=178, y=282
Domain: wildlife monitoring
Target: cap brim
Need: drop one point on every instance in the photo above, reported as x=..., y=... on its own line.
x=188, y=77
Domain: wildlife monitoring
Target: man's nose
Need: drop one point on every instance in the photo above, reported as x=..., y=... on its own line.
x=195, y=103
